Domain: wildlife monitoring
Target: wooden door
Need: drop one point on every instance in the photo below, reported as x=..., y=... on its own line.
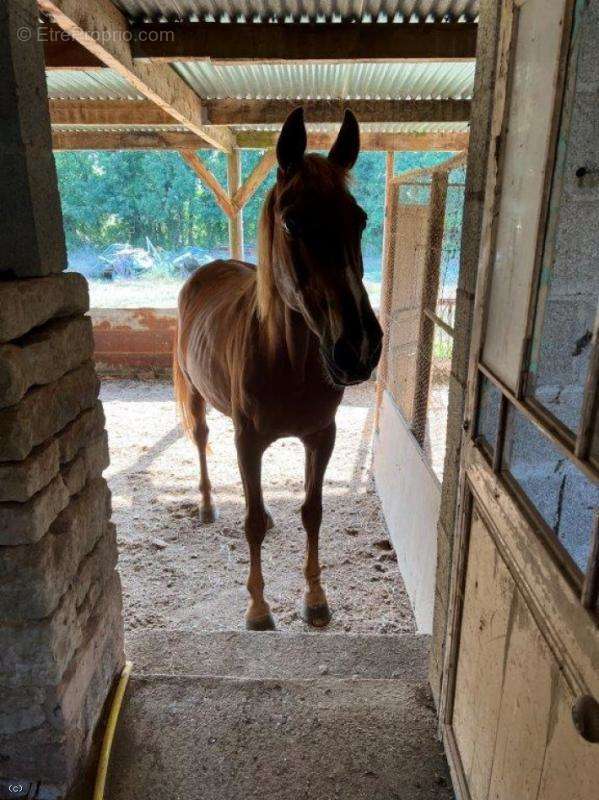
x=521, y=677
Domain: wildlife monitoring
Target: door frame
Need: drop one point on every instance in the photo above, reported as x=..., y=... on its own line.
x=567, y=631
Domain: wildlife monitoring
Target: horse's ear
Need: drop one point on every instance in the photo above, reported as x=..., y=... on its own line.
x=292, y=142
x=345, y=151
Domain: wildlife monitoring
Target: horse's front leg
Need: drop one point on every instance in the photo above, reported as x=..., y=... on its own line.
x=250, y=448
x=319, y=447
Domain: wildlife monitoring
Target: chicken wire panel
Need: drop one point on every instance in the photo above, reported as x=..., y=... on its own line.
x=437, y=403
x=409, y=236
x=450, y=254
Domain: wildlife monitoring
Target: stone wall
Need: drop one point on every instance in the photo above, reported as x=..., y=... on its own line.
x=61, y=632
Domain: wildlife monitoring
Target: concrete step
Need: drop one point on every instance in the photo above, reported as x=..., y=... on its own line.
x=201, y=738
x=278, y=656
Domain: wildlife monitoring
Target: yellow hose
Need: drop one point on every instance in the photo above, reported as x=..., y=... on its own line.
x=109, y=733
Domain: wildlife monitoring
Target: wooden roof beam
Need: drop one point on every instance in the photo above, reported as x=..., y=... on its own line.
x=250, y=140
x=303, y=42
x=103, y=30
x=259, y=112
x=201, y=170
x=61, y=51
x=254, y=179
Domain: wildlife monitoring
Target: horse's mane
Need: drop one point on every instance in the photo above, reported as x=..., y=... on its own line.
x=318, y=171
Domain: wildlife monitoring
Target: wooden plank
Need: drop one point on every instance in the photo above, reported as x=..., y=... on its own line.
x=253, y=181
x=387, y=269
x=235, y=219
x=126, y=140
x=530, y=675
x=61, y=51
x=31, y=232
x=250, y=140
x=104, y=31
x=108, y=112
x=486, y=621
x=571, y=766
x=258, y=112
x=204, y=174
x=303, y=42
x=548, y=590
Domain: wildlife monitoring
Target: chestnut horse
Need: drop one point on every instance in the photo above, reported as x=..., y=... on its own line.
x=273, y=346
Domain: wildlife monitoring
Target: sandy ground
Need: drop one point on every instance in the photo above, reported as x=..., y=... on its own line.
x=180, y=575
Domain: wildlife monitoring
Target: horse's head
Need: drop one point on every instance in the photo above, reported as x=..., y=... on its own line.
x=317, y=231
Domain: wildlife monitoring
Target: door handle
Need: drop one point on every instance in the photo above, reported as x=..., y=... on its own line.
x=585, y=716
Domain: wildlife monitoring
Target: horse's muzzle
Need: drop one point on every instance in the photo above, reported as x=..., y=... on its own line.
x=344, y=365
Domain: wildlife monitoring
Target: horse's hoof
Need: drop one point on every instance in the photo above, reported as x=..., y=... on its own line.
x=317, y=616
x=208, y=514
x=265, y=623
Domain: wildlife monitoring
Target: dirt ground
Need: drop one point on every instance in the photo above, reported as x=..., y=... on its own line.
x=179, y=575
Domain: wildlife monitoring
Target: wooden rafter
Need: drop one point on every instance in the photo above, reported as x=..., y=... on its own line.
x=258, y=112
x=108, y=112
x=256, y=177
x=251, y=140
x=61, y=51
x=317, y=42
x=204, y=174
x=103, y=30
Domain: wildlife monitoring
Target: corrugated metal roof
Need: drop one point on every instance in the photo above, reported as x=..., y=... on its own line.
x=263, y=10
x=99, y=84
x=350, y=81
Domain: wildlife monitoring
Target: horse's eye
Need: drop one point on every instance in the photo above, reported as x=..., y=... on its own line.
x=290, y=225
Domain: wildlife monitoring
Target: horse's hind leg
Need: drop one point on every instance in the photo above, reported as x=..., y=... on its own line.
x=208, y=512
x=319, y=447
x=250, y=448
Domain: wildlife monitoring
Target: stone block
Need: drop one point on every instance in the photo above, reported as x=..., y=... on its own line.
x=89, y=463
x=43, y=356
x=38, y=653
x=21, y=709
x=45, y=410
x=33, y=577
x=53, y=751
x=87, y=426
x=20, y=480
x=26, y=304
x=22, y=523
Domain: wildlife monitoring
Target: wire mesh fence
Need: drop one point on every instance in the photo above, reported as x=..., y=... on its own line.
x=422, y=264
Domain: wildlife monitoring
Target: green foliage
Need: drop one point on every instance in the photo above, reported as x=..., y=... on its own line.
x=135, y=196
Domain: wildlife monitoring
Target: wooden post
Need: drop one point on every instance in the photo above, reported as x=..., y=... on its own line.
x=391, y=199
x=31, y=234
x=430, y=289
x=236, y=221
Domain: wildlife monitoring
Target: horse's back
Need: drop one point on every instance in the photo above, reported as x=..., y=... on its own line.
x=215, y=304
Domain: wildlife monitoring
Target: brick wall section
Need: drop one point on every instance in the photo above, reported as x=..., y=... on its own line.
x=61, y=632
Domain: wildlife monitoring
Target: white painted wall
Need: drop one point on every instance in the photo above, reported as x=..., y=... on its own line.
x=410, y=495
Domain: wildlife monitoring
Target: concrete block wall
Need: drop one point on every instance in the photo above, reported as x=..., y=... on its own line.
x=61, y=631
